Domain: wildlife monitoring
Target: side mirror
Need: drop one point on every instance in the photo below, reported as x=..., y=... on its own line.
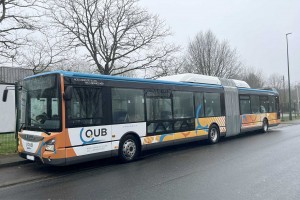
x=4, y=97
x=68, y=93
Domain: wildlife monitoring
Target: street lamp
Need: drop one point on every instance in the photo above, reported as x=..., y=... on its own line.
x=287, y=54
x=297, y=87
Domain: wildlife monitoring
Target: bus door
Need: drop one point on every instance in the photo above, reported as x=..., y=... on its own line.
x=233, y=124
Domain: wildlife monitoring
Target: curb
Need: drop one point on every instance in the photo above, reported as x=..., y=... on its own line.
x=13, y=164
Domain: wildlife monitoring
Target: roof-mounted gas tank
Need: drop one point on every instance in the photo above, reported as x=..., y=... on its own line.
x=199, y=78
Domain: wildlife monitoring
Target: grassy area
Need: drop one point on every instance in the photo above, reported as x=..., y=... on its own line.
x=7, y=143
x=286, y=118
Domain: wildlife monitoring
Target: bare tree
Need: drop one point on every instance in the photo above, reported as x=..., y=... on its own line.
x=254, y=78
x=207, y=55
x=74, y=63
x=15, y=16
x=170, y=65
x=42, y=53
x=117, y=35
x=275, y=81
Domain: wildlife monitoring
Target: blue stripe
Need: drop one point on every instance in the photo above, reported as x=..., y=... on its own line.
x=258, y=90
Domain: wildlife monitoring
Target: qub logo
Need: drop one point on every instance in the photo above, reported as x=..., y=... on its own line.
x=91, y=136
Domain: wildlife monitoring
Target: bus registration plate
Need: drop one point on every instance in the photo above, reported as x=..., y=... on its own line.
x=30, y=157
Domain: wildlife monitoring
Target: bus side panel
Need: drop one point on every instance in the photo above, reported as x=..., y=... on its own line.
x=255, y=121
x=251, y=121
x=119, y=130
x=203, y=124
x=100, y=141
x=89, y=140
x=272, y=119
x=202, y=127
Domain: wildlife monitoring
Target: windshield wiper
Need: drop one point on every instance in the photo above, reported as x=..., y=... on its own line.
x=48, y=133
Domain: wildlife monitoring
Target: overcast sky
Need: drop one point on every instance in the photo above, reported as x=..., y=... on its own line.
x=256, y=28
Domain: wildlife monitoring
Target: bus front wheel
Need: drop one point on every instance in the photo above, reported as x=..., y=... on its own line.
x=213, y=134
x=129, y=148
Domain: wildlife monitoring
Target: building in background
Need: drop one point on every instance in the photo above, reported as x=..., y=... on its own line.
x=8, y=77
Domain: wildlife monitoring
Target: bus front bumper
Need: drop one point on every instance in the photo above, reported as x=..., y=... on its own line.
x=47, y=161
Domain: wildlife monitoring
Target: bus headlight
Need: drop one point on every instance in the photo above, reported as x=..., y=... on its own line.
x=50, y=145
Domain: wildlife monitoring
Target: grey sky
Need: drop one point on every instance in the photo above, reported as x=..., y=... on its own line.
x=256, y=28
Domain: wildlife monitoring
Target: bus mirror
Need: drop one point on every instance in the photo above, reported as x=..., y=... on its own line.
x=68, y=93
x=4, y=97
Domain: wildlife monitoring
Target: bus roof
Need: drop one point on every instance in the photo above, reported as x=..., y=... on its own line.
x=126, y=79
x=150, y=81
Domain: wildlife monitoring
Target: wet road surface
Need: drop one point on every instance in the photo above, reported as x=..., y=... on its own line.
x=250, y=166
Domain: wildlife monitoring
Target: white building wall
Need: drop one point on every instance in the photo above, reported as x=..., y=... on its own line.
x=7, y=111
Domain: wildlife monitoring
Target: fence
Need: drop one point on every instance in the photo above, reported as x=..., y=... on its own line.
x=284, y=108
x=8, y=143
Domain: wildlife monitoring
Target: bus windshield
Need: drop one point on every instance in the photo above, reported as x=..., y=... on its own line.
x=40, y=104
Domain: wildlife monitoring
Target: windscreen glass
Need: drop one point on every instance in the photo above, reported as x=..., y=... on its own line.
x=41, y=103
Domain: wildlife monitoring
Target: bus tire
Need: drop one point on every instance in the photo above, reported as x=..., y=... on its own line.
x=213, y=134
x=265, y=126
x=129, y=148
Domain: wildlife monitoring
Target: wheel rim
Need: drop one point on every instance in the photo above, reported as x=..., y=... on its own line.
x=129, y=149
x=213, y=134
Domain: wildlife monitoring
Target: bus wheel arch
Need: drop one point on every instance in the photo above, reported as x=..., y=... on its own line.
x=213, y=133
x=265, y=125
x=129, y=147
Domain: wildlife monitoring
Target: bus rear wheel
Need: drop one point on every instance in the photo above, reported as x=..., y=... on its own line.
x=213, y=134
x=265, y=126
x=129, y=149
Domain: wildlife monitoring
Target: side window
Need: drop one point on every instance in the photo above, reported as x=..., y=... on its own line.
x=85, y=108
x=127, y=105
x=158, y=109
x=199, y=104
x=277, y=104
x=264, y=104
x=212, y=104
x=272, y=105
x=183, y=105
x=255, y=104
x=245, y=104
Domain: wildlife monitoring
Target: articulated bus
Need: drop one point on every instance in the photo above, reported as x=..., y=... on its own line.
x=68, y=117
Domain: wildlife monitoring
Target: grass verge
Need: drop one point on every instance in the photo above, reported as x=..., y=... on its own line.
x=7, y=143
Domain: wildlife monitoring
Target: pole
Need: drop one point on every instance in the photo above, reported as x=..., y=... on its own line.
x=283, y=97
x=289, y=82
x=297, y=100
x=295, y=109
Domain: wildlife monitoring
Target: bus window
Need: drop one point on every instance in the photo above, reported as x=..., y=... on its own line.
x=158, y=109
x=255, y=104
x=38, y=107
x=127, y=105
x=272, y=104
x=199, y=102
x=85, y=108
x=277, y=104
x=212, y=104
x=264, y=104
x=245, y=104
x=159, y=112
x=183, y=105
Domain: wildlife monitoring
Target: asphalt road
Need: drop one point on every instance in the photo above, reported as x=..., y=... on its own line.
x=251, y=166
